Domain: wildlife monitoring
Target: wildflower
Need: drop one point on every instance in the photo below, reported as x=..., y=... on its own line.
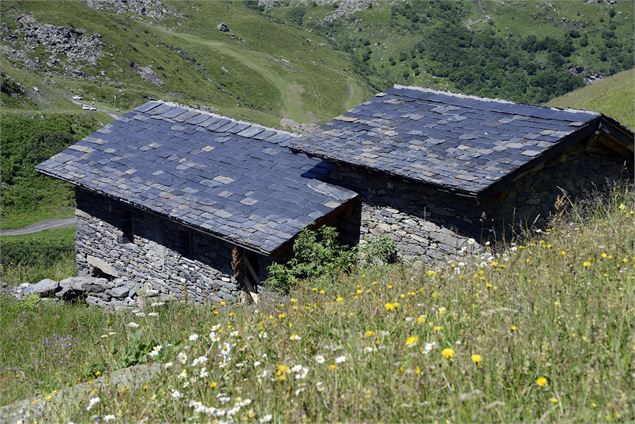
x=332, y=367
x=176, y=394
x=140, y=314
x=320, y=386
x=412, y=341
x=436, y=328
x=586, y=264
x=391, y=306
x=213, y=384
x=428, y=347
x=132, y=325
x=431, y=273
x=157, y=304
x=442, y=311
x=340, y=359
x=553, y=400
x=155, y=351
x=339, y=299
x=282, y=315
x=320, y=359
x=48, y=398
x=421, y=319
x=182, y=357
x=92, y=402
x=203, y=373
x=542, y=381
x=513, y=328
x=282, y=369
x=110, y=417
x=198, y=361
x=168, y=365
x=448, y=353
x=153, y=314
x=476, y=358
x=369, y=333
x=266, y=419
x=294, y=337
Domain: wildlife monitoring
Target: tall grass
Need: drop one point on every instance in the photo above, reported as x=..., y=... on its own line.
x=543, y=331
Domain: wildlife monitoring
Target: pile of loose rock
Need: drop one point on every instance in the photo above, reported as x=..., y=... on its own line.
x=117, y=293
x=58, y=40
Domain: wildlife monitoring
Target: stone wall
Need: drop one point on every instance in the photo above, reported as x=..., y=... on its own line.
x=166, y=256
x=422, y=221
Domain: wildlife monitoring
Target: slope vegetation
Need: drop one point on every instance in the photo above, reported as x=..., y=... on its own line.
x=260, y=69
x=613, y=96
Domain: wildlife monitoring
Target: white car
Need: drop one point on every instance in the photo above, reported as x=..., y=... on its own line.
x=93, y=108
x=77, y=97
x=85, y=107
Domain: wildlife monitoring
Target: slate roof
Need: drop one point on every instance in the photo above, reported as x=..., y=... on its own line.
x=456, y=142
x=232, y=179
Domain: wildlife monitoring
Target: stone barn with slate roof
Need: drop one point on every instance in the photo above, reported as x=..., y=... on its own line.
x=197, y=205
x=437, y=171
x=194, y=204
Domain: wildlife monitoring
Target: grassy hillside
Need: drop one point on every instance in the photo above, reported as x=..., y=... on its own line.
x=29, y=138
x=542, y=331
x=260, y=70
x=614, y=96
x=527, y=51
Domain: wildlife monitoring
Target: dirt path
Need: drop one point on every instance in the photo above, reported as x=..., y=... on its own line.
x=40, y=226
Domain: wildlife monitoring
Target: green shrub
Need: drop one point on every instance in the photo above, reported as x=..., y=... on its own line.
x=316, y=254
x=378, y=250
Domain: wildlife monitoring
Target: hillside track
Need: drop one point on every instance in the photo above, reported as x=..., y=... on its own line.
x=40, y=226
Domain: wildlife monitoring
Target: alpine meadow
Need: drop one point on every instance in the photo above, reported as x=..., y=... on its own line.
x=317, y=211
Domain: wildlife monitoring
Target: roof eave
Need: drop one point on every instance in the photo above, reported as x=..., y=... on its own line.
x=255, y=249
x=565, y=143
x=439, y=187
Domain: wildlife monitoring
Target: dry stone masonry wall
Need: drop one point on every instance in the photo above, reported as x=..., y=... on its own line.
x=162, y=255
x=424, y=223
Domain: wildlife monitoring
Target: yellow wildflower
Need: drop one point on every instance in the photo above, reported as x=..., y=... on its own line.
x=282, y=315
x=553, y=400
x=436, y=328
x=369, y=333
x=421, y=319
x=542, y=381
x=282, y=369
x=431, y=273
x=513, y=328
x=448, y=353
x=213, y=384
x=391, y=306
x=339, y=299
x=412, y=341
x=586, y=264
x=477, y=359
x=294, y=337
x=332, y=367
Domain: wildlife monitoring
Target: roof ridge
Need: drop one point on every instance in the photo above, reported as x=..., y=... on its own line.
x=212, y=114
x=489, y=99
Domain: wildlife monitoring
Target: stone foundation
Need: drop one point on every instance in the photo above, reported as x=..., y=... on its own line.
x=162, y=255
x=422, y=221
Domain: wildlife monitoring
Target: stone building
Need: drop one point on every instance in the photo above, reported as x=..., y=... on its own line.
x=193, y=204
x=437, y=171
x=197, y=205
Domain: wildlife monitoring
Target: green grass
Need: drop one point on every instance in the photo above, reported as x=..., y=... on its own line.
x=613, y=96
x=559, y=306
x=29, y=138
x=33, y=257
